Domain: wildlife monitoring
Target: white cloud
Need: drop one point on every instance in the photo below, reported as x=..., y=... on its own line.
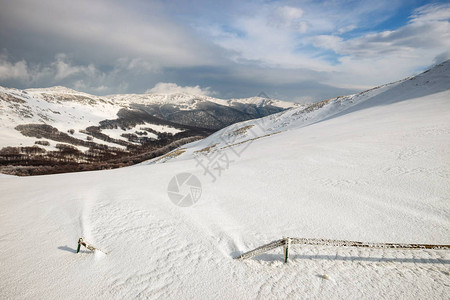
x=61, y=71
x=380, y=57
x=173, y=88
x=408, y=40
x=346, y=29
x=332, y=42
x=270, y=40
x=65, y=69
x=282, y=36
x=10, y=70
x=288, y=17
x=431, y=12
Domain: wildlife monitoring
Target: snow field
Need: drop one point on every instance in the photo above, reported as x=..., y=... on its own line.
x=377, y=171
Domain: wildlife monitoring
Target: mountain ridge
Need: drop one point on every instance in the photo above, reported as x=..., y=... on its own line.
x=65, y=125
x=433, y=81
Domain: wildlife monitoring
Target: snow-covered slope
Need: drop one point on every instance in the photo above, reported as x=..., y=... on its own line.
x=65, y=109
x=60, y=107
x=434, y=81
x=55, y=126
x=371, y=167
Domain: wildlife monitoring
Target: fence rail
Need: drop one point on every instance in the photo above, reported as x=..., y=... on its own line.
x=286, y=242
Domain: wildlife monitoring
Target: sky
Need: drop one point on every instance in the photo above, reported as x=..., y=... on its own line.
x=300, y=51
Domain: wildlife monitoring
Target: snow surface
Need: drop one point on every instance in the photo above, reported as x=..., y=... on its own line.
x=373, y=167
x=117, y=132
x=63, y=115
x=162, y=128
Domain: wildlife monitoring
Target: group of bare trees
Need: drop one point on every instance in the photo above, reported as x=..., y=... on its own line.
x=66, y=156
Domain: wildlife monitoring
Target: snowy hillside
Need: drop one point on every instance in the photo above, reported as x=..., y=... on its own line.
x=60, y=107
x=372, y=167
x=54, y=126
x=66, y=109
x=434, y=81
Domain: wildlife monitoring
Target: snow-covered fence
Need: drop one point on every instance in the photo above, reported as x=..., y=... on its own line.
x=286, y=242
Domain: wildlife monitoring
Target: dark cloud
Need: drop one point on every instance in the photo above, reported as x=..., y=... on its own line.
x=99, y=31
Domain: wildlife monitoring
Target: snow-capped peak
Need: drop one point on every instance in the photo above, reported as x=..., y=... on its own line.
x=55, y=90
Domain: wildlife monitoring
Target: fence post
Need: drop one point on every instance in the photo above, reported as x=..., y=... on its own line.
x=79, y=244
x=287, y=243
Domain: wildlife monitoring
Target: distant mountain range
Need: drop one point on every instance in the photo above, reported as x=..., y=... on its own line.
x=58, y=129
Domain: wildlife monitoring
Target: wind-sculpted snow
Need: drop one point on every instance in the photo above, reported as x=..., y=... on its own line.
x=365, y=168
